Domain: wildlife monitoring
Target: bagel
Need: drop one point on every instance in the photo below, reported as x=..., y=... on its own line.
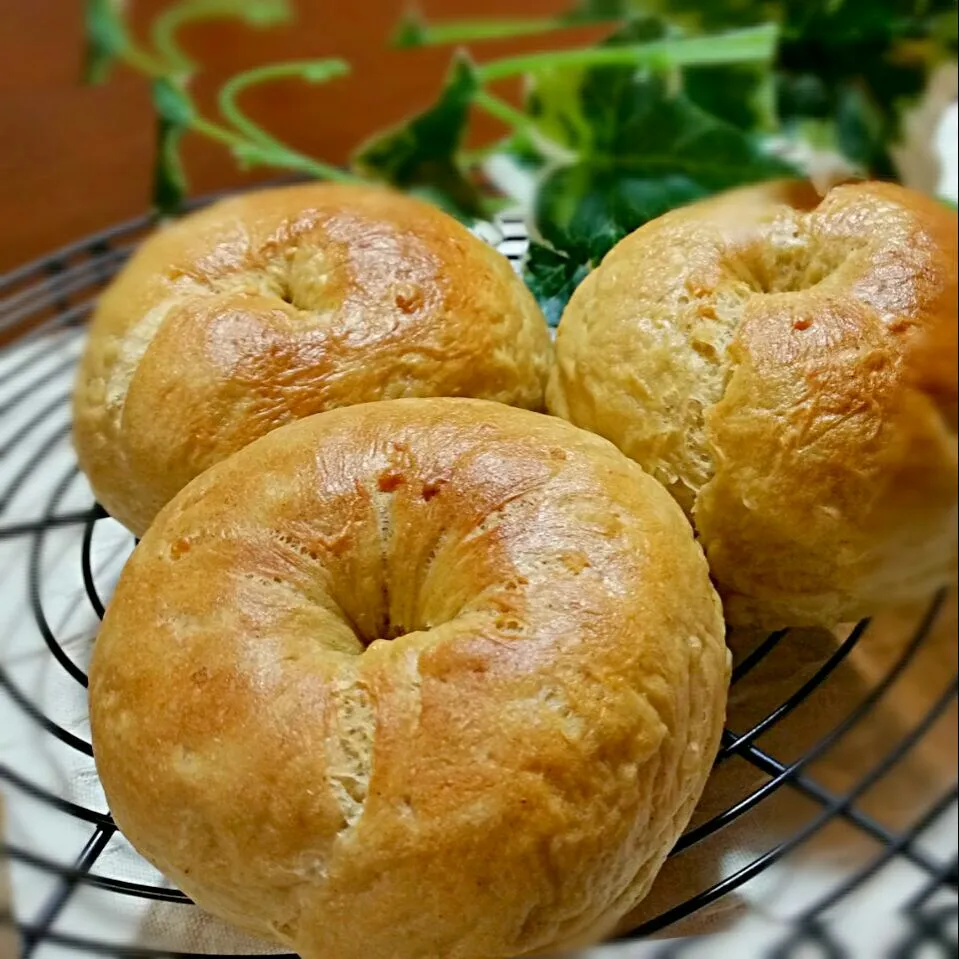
x=787, y=369
x=281, y=303
x=446, y=679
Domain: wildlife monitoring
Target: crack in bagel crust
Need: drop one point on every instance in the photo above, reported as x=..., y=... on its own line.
x=349, y=756
x=787, y=369
x=282, y=303
x=489, y=757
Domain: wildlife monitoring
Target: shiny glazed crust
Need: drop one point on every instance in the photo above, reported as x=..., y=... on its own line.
x=282, y=303
x=417, y=678
x=788, y=370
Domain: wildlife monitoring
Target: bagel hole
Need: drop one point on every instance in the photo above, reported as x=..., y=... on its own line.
x=382, y=501
x=278, y=278
x=791, y=263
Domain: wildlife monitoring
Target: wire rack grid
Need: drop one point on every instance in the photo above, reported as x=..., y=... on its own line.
x=801, y=705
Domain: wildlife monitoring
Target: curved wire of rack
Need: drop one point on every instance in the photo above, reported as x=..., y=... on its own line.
x=55, y=295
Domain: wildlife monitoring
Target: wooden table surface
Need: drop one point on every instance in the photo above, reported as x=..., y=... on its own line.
x=75, y=159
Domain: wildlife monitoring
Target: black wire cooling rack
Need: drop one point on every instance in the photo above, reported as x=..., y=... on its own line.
x=793, y=774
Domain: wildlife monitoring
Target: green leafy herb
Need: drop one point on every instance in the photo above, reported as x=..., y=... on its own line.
x=561, y=99
x=669, y=153
x=171, y=70
x=855, y=66
x=636, y=145
x=106, y=34
x=596, y=11
x=175, y=113
x=411, y=31
x=256, y=13
x=422, y=155
x=254, y=145
x=670, y=52
x=572, y=106
x=552, y=277
x=415, y=31
x=743, y=94
x=681, y=99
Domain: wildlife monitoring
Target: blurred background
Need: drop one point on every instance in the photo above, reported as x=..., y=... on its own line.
x=78, y=158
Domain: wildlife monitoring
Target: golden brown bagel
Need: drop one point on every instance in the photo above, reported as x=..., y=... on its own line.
x=445, y=680
x=790, y=374
x=282, y=303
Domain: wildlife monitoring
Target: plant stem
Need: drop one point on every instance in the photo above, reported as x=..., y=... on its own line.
x=143, y=62
x=502, y=110
x=277, y=155
x=168, y=23
x=467, y=31
x=216, y=132
x=261, y=146
x=739, y=46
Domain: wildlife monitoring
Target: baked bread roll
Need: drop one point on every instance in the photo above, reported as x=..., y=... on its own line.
x=447, y=680
x=281, y=303
x=789, y=374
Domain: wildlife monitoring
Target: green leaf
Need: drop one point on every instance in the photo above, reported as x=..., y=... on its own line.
x=741, y=94
x=944, y=29
x=106, y=38
x=634, y=144
x=553, y=104
x=861, y=129
x=857, y=66
x=845, y=22
x=422, y=155
x=410, y=31
x=172, y=102
x=693, y=16
x=586, y=209
x=414, y=31
x=598, y=11
x=165, y=28
x=552, y=277
x=565, y=103
x=175, y=112
x=652, y=151
x=265, y=13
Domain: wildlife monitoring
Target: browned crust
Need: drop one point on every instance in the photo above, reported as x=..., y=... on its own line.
x=282, y=303
x=507, y=773
x=792, y=376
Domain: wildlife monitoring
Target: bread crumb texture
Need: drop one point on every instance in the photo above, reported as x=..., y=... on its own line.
x=787, y=369
x=418, y=678
x=281, y=303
